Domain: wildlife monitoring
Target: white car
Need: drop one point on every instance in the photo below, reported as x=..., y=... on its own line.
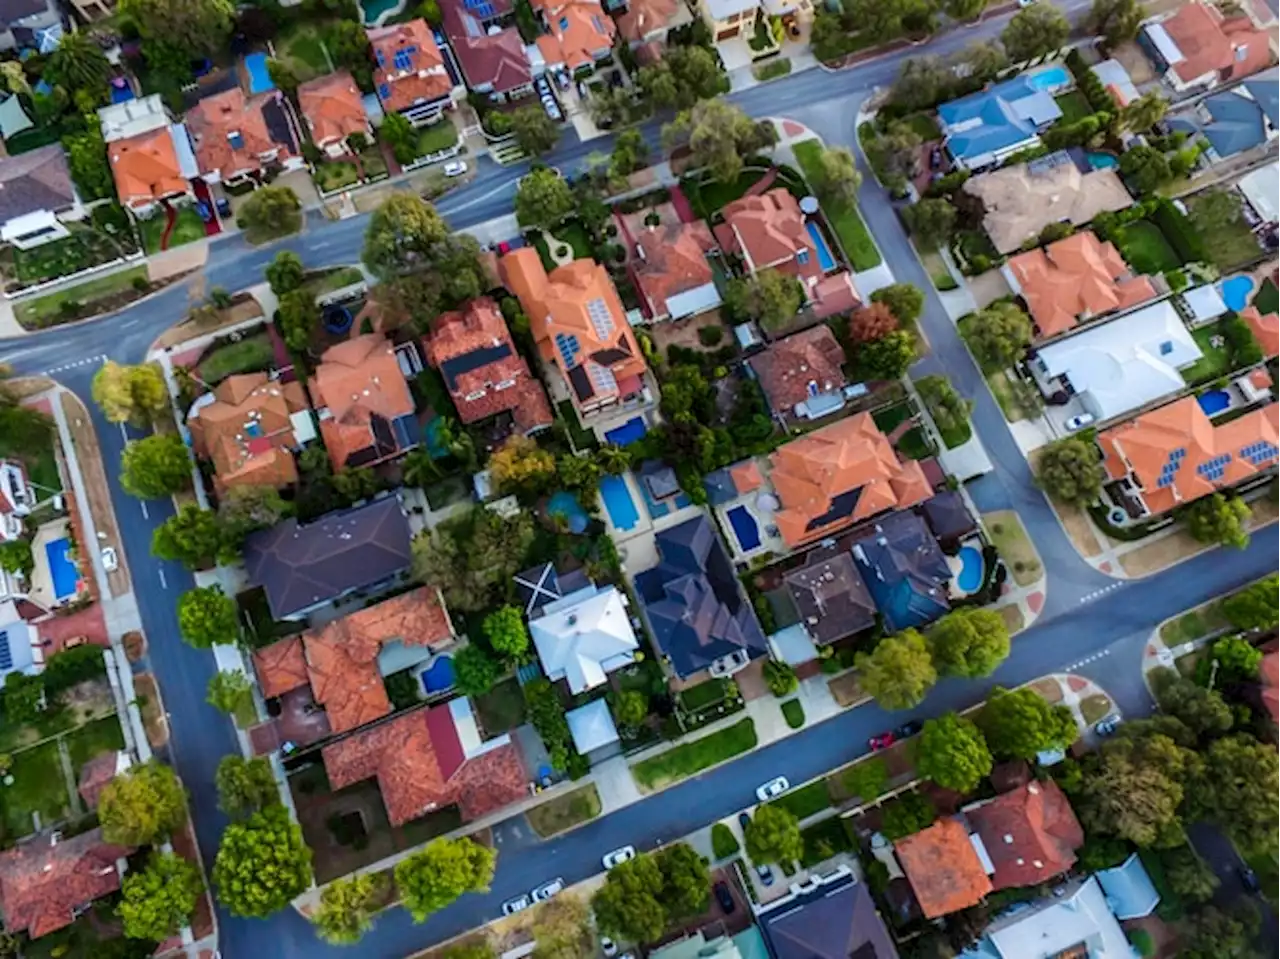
x=608, y=947
x=455, y=168
x=512, y=906
x=1079, y=422
x=110, y=562
x=773, y=789
x=619, y=856
x=548, y=889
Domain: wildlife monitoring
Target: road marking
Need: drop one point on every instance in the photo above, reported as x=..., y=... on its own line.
x=1088, y=659
x=143, y=504
x=100, y=358
x=164, y=583
x=1098, y=593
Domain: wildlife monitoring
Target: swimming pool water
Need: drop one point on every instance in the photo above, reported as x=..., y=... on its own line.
x=617, y=500
x=255, y=64
x=438, y=677
x=1215, y=401
x=566, y=504
x=62, y=570
x=1050, y=78
x=825, y=259
x=744, y=527
x=970, y=575
x=374, y=9
x=1235, y=292
x=626, y=434
x=1102, y=161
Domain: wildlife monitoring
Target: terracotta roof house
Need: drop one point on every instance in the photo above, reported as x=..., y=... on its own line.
x=248, y=427
x=426, y=759
x=46, y=881
x=1266, y=330
x=646, y=21
x=838, y=475
x=1198, y=46
x=236, y=137
x=581, y=33
x=302, y=568
x=1073, y=280
x=37, y=197
x=360, y=395
x=768, y=231
x=492, y=57
x=281, y=667
x=1269, y=682
x=410, y=75
x=149, y=168
x=473, y=350
x=98, y=771
x=333, y=110
x=1030, y=833
x=671, y=270
x=584, y=636
x=830, y=596
x=697, y=611
x=836, y=920
x=944, y=867
x=802, y=374
x=580, y=327
x=905, y=570
x=1175, y=454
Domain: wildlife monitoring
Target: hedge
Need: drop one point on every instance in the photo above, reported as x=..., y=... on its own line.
x=1179, y=231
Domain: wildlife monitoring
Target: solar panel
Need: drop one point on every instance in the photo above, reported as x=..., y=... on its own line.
x=1163, y=481
x=568, y=346
x=381, y=58
x=384, y=90
x=6, y=657
x=601, y=321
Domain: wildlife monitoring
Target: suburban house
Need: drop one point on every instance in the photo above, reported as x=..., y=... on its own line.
x=16, y=498
x=1199, y=46
x=485, y=376
x=1076, y=917
x=830, y=916
x=46, y=881
x=1261, y=191
x=671, y=271
x=802, y=375
x=1113, y=75
x=153, y=168
x=492, y=57
x=1020, y=201
x=37, y=198
x=584, y=636
x=647, y=21
x=410, y=75
x=430, y=758
x=580, y=327
x=948, y=869
x=980, y=130
x=1129, y=890
x=302, y=568
x=1074, y=280
x=1175, y=454
x=697, y=611
x=1265, y=329
x=362, y=399
x=237, y=137
x=838, y=475
x=830, y=596
x=1243, y=117
x=119, y=121
x=1120, y=366
x=20, y=647
x=581, y=33
x=1030, y=833
x=905, y=570
x=949, y=518
x=333, y=110
x=727, y=19
x=25, y=23
x=249, y=427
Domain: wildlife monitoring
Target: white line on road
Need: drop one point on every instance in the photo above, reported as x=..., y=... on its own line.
x=1100, y=592
x=164, y=583
x=143, y=504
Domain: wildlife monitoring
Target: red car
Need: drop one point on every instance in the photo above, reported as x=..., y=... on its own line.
x=882, y=741
x=504, y=247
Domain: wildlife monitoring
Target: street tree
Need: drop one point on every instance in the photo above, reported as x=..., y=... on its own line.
x=630, y=153
x=931, y=221
x=1116, y=21
x=535, y=132
x=299, y=317
x=562, y=929
x=684, y=75
x=1220, y=520
x=1140, y=115
x=543, y=199
x=969, y=642
x=950, y=410
x=899, y=671
x=906, y=815
x=686, y=881
x=952, y=752
x=870, y=323
x=207, y=615
x=245, y=786
x=629, y=904
x=983, y=60
x=345, y=913
x=1133, y=787
x=400, y=135
x=1070, y=471
x=155, y=466
x=402, y=235
x=130, y=394
x=904, y=300
x=1214, y=933
x=521, y=465
x=1020, y=723
x=192, y=537
x=719, y=136
x=271, y=212
x=142, y=806
x=1188, y=875
x=229, y=691
x=922, y=82
x=1237, y=788
x=887, y=358
x=78, y=63
x=444, y=870
x=262, y=864
x=195, y=28
x=286, y=273
x=158, y=900
x=507, y=635
x=838, y=178
x=771, y=298
x=1035, y=31
x=773, y=835
x=964, y=9
x=243, y=509
x=998, y=335
x=1254, y=607
x=1202, y=710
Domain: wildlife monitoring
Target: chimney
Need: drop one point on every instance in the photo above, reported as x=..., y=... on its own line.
x=1033, y=789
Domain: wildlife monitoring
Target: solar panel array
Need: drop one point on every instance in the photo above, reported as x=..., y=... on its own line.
x=1260, y=452
x=482, y=8
x=1169, y=472
x=6, y=657
x=403, y=59
x=1215, y=468
x=569, y=349
x=384, y=90
x=602, y=378
x=601, y=320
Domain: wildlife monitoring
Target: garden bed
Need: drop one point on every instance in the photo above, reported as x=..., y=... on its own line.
x=793, y=713
x=87, y=741
x=83, y=249
x=565, y=812
x=250, y=355
x=1011, y=542
x=332, y=175
x=102, y=295
x=844, y=218
x=823, y=840
x=693, y=757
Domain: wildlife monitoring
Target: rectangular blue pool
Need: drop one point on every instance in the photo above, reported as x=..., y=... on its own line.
x=626, y=434
x=62, y=570
x=825, y=259
x=255, y=65
x=1050, y=78
x=617, y=500
x=745, y=528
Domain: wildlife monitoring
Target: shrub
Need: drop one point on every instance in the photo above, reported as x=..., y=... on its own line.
x=710, y=335
x=780, y=678
x=723, y=842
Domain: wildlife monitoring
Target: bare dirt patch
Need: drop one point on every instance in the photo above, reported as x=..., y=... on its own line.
x=1014, y=621
x=204, y=322
x=846, y=690
x=1049, y=689
x=1010, y=539
x=684, y=333
x=148, y=698
x=1095, y=708
x=93, y=477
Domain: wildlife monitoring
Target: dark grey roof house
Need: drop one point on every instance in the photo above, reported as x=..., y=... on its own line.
x=696, y=608
x=20, y=19
x=830, y=596
x=302, y=568
x=835, y=920
x=948, y=516
x=905, y=570
x=36, y=195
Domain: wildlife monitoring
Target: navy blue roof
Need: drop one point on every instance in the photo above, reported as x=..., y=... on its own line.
x=996, y=118
x=905, y=570
x=1265, y=88
x=1236, y=123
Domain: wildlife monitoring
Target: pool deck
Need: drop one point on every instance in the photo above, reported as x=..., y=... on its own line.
x=42, y=591
x=643, y=523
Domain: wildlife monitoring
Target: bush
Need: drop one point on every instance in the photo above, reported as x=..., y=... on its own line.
x=1179, y=231
x=780, y=678
x=723, y=842
x=710, y=335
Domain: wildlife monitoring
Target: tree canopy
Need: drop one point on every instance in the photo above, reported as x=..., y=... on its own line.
x=130, y=394
x=1237, y=787
x=684, y=75
x=1116, y=21
x=562, y=929
x=155, y=466
x=1070, y=471
x=719, y=137
x=520, y=465
x=206, y=615
x=142, y=806
x=245, y=786
x=505, y=630
x=345, y=912
x=262, y=864
x=1019, y=723
x=773, y=835
x=1255, y=606
x=969, y=642
x=952, y=752
x=904, y=300
x=1219, y=520
x=998, y=335
x=285, y=273
x=535, y=132
x=193, y=27
x=229, y=690
x=886, y=358
x=770, y=297
x=471, y=556
x=193, y=537
x=899, y=671
x=642, y=897
x=444, y=870
x=931, y=220
x=161, y=898
x=1035, y=31
x=543, y=199
x=272, y=211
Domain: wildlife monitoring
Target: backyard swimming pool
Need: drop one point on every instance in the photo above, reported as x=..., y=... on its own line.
x=825, y=259
x=62, y=569
x=1235, y=292
x=255, y=64
x=438, y=677
x=1050, y=78
x=970, y=576
x=745, y=528
x=1214, y=402
x=627, y=433
x=1102, y=161
x=566, y=504
x=618, y=502
x=375, y=10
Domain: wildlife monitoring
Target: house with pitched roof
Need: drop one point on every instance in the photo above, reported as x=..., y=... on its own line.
x=1075, y=921
x=697, y=611
x=20, y=647
x=17, y=498
x=333, y=111
x=98, y=772
x=581, y=33
x=905, y=570
x=1073, y=280
x=648, y=21
x=237, y=137
x=46, y=881
x=485, y=375
x=980, y=130
x=671, y=271
x=1030, y=833
x=37, y=198
x=152, y=168
x=802, y=375
x=832, y=916
x=363, y=402
x=584, y=636
x=580, y=327
x=410, y=75
x=1237, y=119
x=491, y=56
x=1265, y=329
x=1260, y=190
x=1175, y=454
x=839, y=475
x=830, y=595
x=1197, y=45
x=249, y=427
x=948, y=868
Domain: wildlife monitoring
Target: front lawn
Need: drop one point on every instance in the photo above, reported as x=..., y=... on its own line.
x=571, y=233
x=100, y=736
x=501, y=708
x=1008, y=395
x=1145, y=248
x=1193, y=624
x=303, y=51
x=49, y=310
x=250, y=355
x=581, y=437
x=565, y=812
x=823, y=840
x=914, y=443
x=1074, y=106
x=373, y=163
x=187, y=228
x=83, y=249
x=1010, y=540
x=843, y=217
x=1229, y=240
x=807, y=800
x=333, y=175
x=699, y=697
x=1216, y=360
x=1268, y=298
x=326, y=281
x=38, y=787
x=441, y=135
x=707, y=196
x=693, y=757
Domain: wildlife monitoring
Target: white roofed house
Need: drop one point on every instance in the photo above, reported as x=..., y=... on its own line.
x=1261, y=191
x=20, y=649
x=16, y=499
x=584, y=636
x=37, y=198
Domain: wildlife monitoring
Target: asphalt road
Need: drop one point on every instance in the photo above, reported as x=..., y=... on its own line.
x=1219, y=852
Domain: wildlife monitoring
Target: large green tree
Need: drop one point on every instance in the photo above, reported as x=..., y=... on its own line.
x=161, y=898
x=719, y=136
x=1133, y=787
x=562, y=929
x=886, y=358
x=194, y=27
x=629, y=905
x=345, y=912
x=543, y=199
x=245, y=786
x=684, y=75
x=142, y=806
x=998, y=335
x=1214, y=933
x=229, y=690
x=1116, y=21
x=1035, y=31
x=1255, y=606
x=193, y=537
x=1237, y=660
x=931, y=221
x=444, y=870
x=535, y=132
x=904, y=300
x=471, y=557
x=1019, y=723
x=898, y=672
x=1070, y=471
x=406, y=234
x=1237, y=788
x=206, y=615
x=969, y=642
x=271, y=212
x=286, y=273
x=155, y=466
x=1220, y=520
x=952, y=752
x=262, y=864
x=771, y=298
x=1189, y=876
x=773, y=835
x=130, y=394
x=78, y=63
x=507, y=635
x=837, y=178
x=1202, y=710
x=475, y=671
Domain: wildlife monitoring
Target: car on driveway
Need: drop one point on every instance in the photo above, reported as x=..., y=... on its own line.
x=881, y=741
x=548, y=890
x=512, y=906
x=455, y=168
x=773, y=789
x=619, y=856
x=725, y=898
x=1108, y=726
x=1079, y=422
x=765, y=874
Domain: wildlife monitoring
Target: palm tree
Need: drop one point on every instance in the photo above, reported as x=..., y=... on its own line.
x=79, y=63
x=419, y=468
x=614, y=460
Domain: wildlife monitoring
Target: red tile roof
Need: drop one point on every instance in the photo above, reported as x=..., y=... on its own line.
x=332, y=107
x=357, y=381
x=644, y=17
x=580, y=30
x=673, y=260
x=1030, y=833
x=1266, y=330
x=943, y=869
x=833, y=295
x=230, y=134
x=1209, y=42
x=43, y=883
x=421, y=79
x=247, y=431
x=95, y=774
x=281, y=667
x=496, y=61
x=786, y=368
x=769, y=231
x=146, y=168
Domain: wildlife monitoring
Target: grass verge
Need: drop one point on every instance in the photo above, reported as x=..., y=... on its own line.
x=693, y=757
x=793, y=713
x=843, y=216
x=1010, y=540
x=807, y=800
x=565, y=812
x=48, y=310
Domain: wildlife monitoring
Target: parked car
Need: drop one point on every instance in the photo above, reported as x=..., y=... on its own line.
x=619, y=856
x=765, y=874
x=224, y=207
x=908, y=729
x=1107, y=726
x=1079, y=422
x=455, y=168
x=512, y=906
x=935, y=158
x=725, y=898
x=203, y=211
x=1249, y=879
x=504, y=247
x=881, y=741
x=773, y=789
x=744, y=820
x=110, y=562
x=548, y=890
x=608, y=947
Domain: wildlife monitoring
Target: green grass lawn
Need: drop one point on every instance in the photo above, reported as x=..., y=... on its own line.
x=100, y=736
x=1007, y=396
x=953, y=434
x=38, y=786
x=843, y=217
x=1193, y=624
x=303, y=51
x=703, y=695
x=807, y=800
x=823, y=840
x=924, y=125
x=708, y=196
x=565, y=812
x=583, y=439
x=1230, y=244
x=1216, y=360
x=434, y=137
x=186, y=229
x=250, y=355
x=914, y=443
x=373, y=163
x=501, y=708
x=1145, y=249
x=693, y=757
x=333, y=175
x=793, y=713
x=42, y=311
x=327, y=281
x=1010, y=541
x=1074, y=106
x=1267, y=299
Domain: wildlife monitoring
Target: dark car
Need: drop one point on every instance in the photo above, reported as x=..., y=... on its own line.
x=881, y=741
x=1249, y=879
x=224, y=208
x=907, y=730
x=725, y=898
x=765, y=874
x=744, y=820
x=935, y=158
